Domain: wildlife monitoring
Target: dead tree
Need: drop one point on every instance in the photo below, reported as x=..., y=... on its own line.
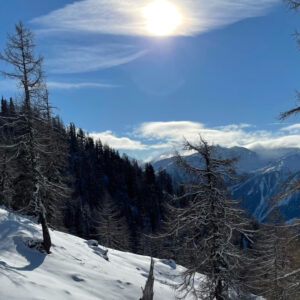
x=148, y=292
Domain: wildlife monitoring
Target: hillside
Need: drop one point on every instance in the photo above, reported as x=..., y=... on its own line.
x=74, y=269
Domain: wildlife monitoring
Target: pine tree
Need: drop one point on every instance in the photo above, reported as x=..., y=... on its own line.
x=12, y=109
x=4, y=107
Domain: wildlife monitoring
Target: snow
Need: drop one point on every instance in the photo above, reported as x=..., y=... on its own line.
x=76, y=268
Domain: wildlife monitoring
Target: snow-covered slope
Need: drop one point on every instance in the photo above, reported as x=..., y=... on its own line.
x=74, y=269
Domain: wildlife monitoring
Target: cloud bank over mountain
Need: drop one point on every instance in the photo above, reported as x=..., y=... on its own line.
x=151, y=138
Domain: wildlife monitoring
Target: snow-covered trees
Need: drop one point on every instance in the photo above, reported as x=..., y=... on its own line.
x=208, y=228
x=30, y=146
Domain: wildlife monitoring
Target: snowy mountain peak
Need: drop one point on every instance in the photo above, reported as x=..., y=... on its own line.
x=264, y=174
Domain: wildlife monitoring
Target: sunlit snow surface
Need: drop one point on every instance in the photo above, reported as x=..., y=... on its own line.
x=74, y=270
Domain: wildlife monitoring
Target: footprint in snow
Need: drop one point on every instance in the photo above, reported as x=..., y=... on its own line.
x=121, y=284
x=77, y=278
x=67, y=292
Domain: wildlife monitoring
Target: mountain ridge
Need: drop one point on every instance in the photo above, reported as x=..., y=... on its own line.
x=263, y=178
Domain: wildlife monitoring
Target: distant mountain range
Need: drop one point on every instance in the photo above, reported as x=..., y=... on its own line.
x=263, y=176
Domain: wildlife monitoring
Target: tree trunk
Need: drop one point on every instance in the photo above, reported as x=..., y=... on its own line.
x=148, y=291
x=219, y=291
x=46, y=234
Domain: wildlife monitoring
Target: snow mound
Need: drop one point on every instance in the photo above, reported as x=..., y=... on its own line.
x=76, y=268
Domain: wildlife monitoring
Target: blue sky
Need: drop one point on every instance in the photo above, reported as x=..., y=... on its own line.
x=226, y=73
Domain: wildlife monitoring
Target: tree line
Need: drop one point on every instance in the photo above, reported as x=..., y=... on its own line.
x=61, y=175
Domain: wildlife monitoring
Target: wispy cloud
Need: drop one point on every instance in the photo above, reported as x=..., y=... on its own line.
x=292, y=129
x=77, y=59
x=126, y=17
x=8, y=85
x=78, y=85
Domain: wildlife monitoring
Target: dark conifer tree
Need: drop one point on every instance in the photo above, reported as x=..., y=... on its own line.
x=12, y=109
x=4, y=107
x=112, y=229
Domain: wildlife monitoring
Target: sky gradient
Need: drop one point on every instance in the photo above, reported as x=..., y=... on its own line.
x=227, y=72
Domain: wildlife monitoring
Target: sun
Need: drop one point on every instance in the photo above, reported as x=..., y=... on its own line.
x=162, y=18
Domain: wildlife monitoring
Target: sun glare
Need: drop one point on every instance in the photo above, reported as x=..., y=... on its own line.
x=162, y=17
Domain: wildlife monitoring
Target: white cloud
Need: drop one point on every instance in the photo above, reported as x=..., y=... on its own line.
x=152, y=138
x=107, y=137
x=78, y=85
x=78, y=59
x=126, y=17
x=288, y=141
x=292, y=129
x=175, y=132
x=244, y=135
x=168, y=130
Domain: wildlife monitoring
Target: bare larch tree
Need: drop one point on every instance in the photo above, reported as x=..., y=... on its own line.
x=208, y=228
x=32, y=149
x=269, y=263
